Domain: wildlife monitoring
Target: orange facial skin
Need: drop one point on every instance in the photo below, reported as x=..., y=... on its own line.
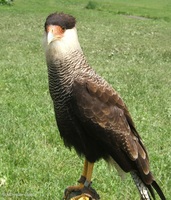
x=57, y=31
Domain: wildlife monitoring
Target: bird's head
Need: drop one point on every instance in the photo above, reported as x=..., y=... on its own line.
x=60, y=31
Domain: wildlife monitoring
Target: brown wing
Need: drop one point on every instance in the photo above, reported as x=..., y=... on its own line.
x=98, y=102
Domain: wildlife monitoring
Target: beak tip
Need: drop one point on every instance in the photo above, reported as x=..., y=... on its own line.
x=50, y=37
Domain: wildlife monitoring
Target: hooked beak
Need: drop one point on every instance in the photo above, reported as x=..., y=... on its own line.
x=50, y=37
x=54, y=32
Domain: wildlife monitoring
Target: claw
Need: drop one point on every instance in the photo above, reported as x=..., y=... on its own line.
x=78, y=193
x=72, y=191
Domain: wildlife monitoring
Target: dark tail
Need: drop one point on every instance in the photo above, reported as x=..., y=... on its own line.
x=144, y=189
x=158, y=190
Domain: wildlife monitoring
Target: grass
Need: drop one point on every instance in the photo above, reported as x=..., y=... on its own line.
x=133, y=55
x=154, y=9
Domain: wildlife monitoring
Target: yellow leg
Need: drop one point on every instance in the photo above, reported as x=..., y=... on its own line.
x=89, y=171
x=85, y=168
x=84, y=182
x=82, y=179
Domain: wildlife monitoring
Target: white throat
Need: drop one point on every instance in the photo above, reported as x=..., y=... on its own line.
x=61, y=47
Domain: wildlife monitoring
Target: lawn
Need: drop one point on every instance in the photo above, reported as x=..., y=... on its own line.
x=129, y=44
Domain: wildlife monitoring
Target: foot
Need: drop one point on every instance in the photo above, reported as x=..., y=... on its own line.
x=81, y=193
x=72, y=191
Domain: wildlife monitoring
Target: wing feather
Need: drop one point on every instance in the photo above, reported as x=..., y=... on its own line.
x=99, y=103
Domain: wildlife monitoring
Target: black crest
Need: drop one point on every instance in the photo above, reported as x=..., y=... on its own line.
x=64, y=20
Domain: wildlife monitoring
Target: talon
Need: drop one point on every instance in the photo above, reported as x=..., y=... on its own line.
x=91, y=192
x=72, y=191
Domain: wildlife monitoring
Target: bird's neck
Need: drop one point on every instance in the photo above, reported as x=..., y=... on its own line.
x=65, y=62
x=65, y=55
x=63, y=72
x=72, y=65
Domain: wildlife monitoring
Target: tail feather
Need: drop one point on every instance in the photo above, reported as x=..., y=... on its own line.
x=144, y=189
x=158, y=190
x=150, y=188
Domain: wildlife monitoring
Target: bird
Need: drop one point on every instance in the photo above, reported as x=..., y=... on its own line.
x=91, y=116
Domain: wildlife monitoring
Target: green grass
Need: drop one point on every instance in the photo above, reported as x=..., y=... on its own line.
x=154, y=9
x=133, y=55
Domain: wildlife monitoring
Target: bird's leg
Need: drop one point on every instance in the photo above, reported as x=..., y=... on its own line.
x=87, y=189
x=84, y=173
x=82, y=178
x=77, y=188
x=84, y=188
x=86, y=176
x=89, y=172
